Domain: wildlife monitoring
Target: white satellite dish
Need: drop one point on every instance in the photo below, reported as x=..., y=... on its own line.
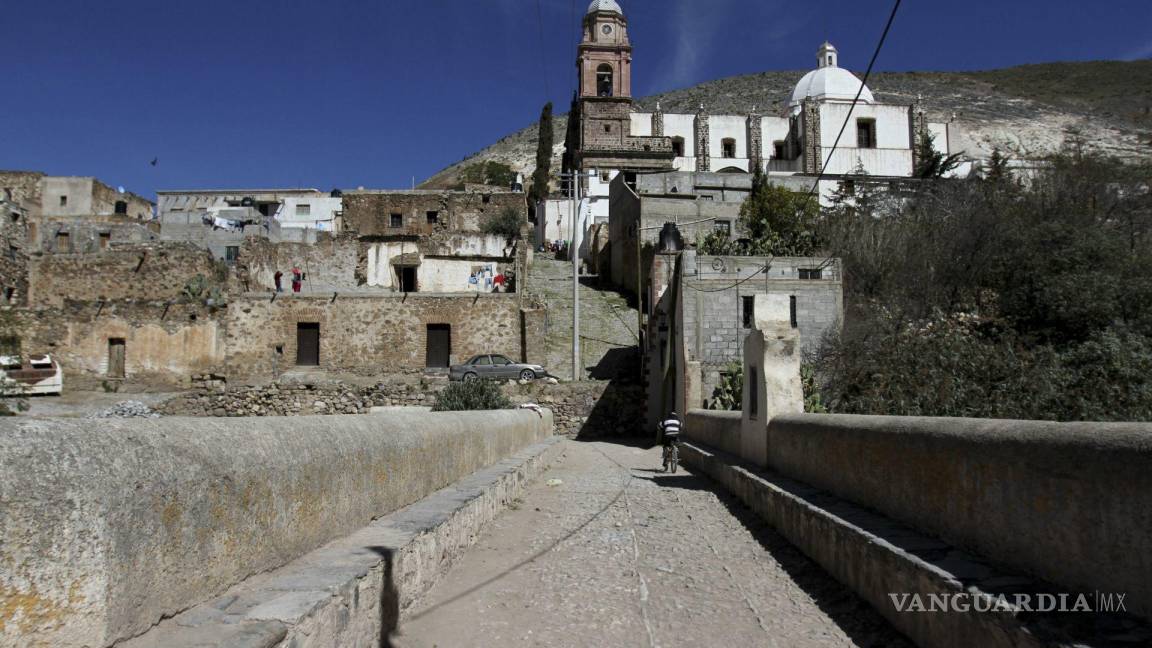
x=120, y=189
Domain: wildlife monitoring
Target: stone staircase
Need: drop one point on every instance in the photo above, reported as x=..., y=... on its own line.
x=607, y=323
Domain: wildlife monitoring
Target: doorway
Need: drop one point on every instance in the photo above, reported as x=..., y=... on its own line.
x=116, y=357
x=439, y=346
x=407, y=278
x=307, y=344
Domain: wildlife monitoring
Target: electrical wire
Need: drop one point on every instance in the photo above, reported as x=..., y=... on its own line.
x=855, y=100
x=750, y=277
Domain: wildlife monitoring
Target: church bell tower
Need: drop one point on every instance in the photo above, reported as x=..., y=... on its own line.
x=604, y=58
x=600, y=122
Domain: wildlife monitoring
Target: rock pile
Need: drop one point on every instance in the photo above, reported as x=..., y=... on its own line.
x=126, y=409
x=589, y=408
x=300, y=399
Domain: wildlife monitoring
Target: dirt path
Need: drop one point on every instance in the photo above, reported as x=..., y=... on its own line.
x=621, y=555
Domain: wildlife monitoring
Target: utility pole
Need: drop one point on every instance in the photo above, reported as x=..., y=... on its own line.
x=574, y=178
x=577, y=374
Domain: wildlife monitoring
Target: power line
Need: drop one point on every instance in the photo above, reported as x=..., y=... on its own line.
x=855, y=100
x=745, y=279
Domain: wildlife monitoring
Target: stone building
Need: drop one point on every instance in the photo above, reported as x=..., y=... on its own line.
x=606, y=136
x=67, y=215
x=202, y=301
x=701, y=308
x=433, y=241
x=220, y=220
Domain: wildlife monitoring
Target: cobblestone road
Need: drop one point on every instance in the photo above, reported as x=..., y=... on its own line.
x=619, y=554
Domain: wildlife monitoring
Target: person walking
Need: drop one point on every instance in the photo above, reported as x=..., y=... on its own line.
x=277, y=278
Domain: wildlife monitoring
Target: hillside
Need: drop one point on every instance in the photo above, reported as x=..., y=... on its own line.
x=1027, y=110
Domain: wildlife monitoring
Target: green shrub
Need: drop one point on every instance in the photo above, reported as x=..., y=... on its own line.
x=730, y=391
x=473, y=395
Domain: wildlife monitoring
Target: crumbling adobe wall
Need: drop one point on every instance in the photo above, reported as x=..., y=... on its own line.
x=163, y=342
x=370, y=213
x=152, y=271
x=366, y=334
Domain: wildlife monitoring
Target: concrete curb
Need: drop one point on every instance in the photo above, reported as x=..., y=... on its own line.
x=876, y=557
x=354, y=590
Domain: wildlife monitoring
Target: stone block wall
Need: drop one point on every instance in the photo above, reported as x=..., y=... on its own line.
x=369, y=213
x=156, y=271
x=331, y=262
x=714, y=304
x=367, y=334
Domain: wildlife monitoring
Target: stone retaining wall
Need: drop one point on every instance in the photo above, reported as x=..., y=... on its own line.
x=108, y=526
x=593, y=408
x=1067, y=502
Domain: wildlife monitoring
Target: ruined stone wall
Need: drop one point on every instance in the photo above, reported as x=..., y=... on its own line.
x=366, y=334
x=163, y=342
x=153, y=271
x=586, y=409
x=87, y=236
x=23, y=188
x=369, y=213
x=13, y=253
x=328, y=263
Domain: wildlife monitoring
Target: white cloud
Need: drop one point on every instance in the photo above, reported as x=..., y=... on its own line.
x=696, y=26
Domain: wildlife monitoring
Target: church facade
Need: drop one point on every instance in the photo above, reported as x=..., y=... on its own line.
x=606, y=136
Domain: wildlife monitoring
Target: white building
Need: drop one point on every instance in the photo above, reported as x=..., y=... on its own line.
x=606, y=136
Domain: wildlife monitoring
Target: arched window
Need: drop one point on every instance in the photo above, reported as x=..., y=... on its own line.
x=677, y=147
x=728, y=147
x=604, y=80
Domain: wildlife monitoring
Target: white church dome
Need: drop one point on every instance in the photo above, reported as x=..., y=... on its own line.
x=829, y=81
x=605, y=5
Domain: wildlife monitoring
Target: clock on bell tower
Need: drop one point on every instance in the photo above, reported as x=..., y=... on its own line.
x=605, y=55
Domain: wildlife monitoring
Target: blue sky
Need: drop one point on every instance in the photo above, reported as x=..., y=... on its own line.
x=342, y=93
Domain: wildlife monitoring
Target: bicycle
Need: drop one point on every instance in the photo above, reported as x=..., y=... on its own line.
x=671, y=455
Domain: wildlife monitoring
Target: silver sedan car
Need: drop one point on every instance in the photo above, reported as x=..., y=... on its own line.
x=494, y=366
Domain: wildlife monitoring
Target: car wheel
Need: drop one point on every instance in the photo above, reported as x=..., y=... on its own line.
x=469, y=377
x=527, y=374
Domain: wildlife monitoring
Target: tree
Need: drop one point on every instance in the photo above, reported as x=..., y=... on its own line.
x=778, y=221
x=931, y=163
x=541, y=175
x=491, y=173
x=506, y=223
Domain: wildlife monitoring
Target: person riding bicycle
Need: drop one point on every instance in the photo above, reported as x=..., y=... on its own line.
x=670, y=429
x=669, y=437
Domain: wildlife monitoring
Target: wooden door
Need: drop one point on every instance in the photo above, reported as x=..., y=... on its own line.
x=308, y=344
x=116, y=357
x=439, y=350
